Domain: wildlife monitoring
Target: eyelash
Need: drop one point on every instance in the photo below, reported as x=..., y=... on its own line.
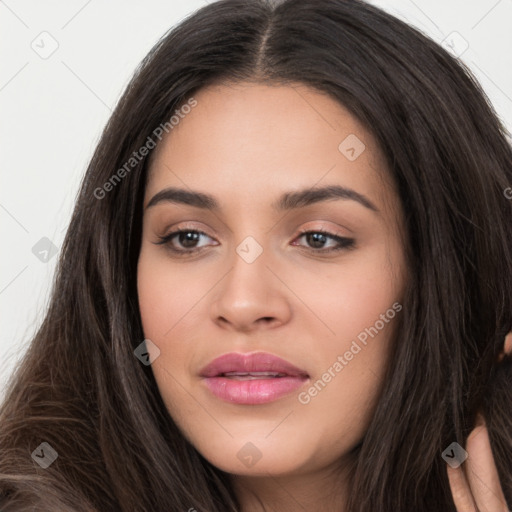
x=344, y=243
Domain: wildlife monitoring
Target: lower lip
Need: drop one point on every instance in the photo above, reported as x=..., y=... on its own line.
x=255, y=391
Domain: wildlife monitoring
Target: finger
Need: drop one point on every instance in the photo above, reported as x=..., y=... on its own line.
x=508, y=343
x=507, y=347
x=481, y=472
x=460, y=490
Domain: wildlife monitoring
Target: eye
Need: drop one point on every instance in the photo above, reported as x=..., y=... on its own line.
x=188, y=239
x=319, y=237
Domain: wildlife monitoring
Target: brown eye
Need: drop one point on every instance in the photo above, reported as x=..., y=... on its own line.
x=319, y=238
x=186, y=238
x=184, y=241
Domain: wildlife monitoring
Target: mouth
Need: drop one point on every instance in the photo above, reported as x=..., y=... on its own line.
x=252, y=375
x=252, y=379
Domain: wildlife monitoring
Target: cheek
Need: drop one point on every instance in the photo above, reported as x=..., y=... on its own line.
x=166, y=294
x=166, y=299
x=171, y=303
x=348, y=298
x=358, y=305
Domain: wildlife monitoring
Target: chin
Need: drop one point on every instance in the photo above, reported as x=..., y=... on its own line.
x=256, y=457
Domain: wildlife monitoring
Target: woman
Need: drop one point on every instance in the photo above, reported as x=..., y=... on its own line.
x=285, y=285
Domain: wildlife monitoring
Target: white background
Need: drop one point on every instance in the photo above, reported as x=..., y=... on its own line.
x=53, y=110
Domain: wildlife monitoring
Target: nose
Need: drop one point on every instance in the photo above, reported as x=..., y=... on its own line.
x=251, y=296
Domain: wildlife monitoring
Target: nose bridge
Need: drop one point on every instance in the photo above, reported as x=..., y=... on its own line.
x=250, y=250
x=249, y=292
x=249, y=265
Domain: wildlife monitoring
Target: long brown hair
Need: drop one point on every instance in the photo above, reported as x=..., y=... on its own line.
x=80, y=388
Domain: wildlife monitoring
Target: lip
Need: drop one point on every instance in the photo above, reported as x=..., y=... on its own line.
x=259, y=389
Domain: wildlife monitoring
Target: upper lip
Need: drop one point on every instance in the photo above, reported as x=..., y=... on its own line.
x=248, y=363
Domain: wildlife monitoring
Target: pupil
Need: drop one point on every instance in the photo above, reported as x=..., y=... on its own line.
x=316, y=237
x=188, y=237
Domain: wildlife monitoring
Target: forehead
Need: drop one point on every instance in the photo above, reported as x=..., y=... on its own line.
x=255, y=140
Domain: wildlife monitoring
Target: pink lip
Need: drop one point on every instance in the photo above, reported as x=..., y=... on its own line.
x=257, y=390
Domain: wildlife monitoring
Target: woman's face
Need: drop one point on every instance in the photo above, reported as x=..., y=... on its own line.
x=256, y=284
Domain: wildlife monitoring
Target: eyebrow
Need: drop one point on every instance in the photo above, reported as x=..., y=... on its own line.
x=287, y=201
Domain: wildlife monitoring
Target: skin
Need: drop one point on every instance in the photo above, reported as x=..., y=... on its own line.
x=475, y=484
x=294, y=301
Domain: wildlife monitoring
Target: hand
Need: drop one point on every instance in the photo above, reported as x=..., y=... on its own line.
x=478, y=488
